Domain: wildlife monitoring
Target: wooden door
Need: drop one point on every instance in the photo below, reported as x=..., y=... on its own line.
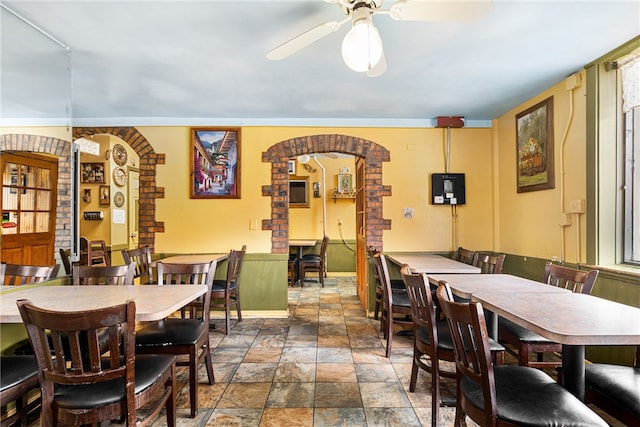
x=133, y=207
x=362, y=266
x=29, y=200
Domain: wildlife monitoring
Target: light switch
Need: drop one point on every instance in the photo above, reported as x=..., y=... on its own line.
x=408, y=213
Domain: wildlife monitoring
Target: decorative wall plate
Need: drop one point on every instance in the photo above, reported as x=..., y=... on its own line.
x=119, y=154
x=120, y=176
x=118, y=199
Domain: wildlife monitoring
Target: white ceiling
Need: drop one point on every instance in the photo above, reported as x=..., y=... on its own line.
x=203, y=62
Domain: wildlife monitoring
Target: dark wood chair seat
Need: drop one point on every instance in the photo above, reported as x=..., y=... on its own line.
x=92, y=385
x=315, y=262
x=615, y=389
x=396, y=306
x=225, y=293
x=18, y=377
x=186, y=336
x=504, y=395
x=432, y=339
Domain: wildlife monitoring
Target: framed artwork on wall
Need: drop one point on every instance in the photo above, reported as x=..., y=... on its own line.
x=105, y=195
x=92, y=173
x=292, y=167
x=534, y=151
x=215, y=163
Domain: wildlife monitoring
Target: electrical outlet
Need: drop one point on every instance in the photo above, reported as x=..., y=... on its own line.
x=564, y=219
x=407, y=213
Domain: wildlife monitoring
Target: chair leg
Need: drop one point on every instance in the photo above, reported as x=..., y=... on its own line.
x=389, y=333
x=193, y=381
x=414, y=372
x=435, y=393
x=237, y=302
x=523, y=352
x=227, y=317
x=208, y=362
x=171, y=401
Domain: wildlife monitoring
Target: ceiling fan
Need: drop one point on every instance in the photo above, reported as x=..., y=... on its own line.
x=362, y=46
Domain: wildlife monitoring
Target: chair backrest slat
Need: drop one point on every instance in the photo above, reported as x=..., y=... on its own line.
x=190, y=274
x=19, y=274
x=101, y=275
x=464, y=255
x=141, y=257
x=489, y=263
x=422, y=304
x=577, y=281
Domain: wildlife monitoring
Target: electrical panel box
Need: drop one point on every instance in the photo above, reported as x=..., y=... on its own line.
x=447, y=189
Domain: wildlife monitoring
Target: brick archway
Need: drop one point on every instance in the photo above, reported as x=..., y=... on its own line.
x=61, y=149
x=148, y=226
x=279, y=154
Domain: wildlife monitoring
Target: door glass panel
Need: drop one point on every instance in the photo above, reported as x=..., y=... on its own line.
x=42, y=222
x=44, y=178
x=10, y=174
x=43, y=201
x=9, y=198
x=9, y=223
x=26, y=222
x=27, y=200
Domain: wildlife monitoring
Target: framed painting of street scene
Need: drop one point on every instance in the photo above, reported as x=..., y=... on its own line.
x=215, y=163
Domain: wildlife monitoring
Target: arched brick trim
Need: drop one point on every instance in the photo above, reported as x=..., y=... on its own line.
x=279, y=155
x=61, y=149
x=148, y=226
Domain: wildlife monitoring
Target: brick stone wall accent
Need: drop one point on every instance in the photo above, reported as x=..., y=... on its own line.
x=148, y=225
x=279, y=154
x=61, y=149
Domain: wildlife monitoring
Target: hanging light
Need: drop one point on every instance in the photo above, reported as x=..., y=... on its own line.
x=362, y=46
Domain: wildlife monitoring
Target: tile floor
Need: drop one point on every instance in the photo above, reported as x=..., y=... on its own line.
x=322, y=366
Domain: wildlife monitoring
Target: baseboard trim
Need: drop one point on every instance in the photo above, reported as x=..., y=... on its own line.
x=253, y=314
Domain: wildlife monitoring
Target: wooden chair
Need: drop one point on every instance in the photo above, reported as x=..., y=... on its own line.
x=522, y=342
x=97, y=253
x=225, y=293
x=397, y=285
x=504, y=395
x=291, y=269
x=615, y=389
x=141, y=257
x=396, y=307
x=65, y=257
x=464, y=255
x=20, y=274
x=86, y=385
x=315, y=262
x=102, y=275
x=18, y=377
x=432, y=339
x=488, y=263
x=183, y=336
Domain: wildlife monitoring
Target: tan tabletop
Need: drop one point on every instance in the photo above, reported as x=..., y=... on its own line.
x=153, y=302
x=573, y=320
x=465, y=285
x=193, y=259
x=432, y=263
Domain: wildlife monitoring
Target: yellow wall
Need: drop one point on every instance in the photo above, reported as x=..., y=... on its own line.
x=196, y=225
x=529, y=222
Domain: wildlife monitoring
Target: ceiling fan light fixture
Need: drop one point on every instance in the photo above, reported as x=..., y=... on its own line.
x=362, y=46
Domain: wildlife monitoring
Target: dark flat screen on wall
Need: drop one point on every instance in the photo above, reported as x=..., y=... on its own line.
x=447, y=189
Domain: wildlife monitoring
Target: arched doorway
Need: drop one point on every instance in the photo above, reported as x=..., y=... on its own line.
x=369, y=158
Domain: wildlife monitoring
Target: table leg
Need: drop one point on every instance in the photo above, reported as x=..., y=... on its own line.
x=298, y=272
x=492, y=324
x=573, y=369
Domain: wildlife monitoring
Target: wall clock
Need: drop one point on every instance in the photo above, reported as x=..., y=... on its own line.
x=118, y=199
x=120, y=176
x=119, y=154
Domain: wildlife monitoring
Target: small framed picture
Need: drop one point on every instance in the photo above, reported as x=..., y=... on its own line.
x=105, y=195
x=292, y=167
x=344, y=183
x=92, y=173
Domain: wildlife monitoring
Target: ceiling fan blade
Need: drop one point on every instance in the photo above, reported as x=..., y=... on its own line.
x=378, y=69
x=440, y=10
x=303, y=40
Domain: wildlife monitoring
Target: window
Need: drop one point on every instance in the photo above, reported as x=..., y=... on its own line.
x=613, y=141
x=298, y=192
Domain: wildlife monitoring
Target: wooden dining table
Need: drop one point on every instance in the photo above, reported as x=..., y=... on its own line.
x=299, y=245
x=432, y=263
x=153, y=302
x=573, y=320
